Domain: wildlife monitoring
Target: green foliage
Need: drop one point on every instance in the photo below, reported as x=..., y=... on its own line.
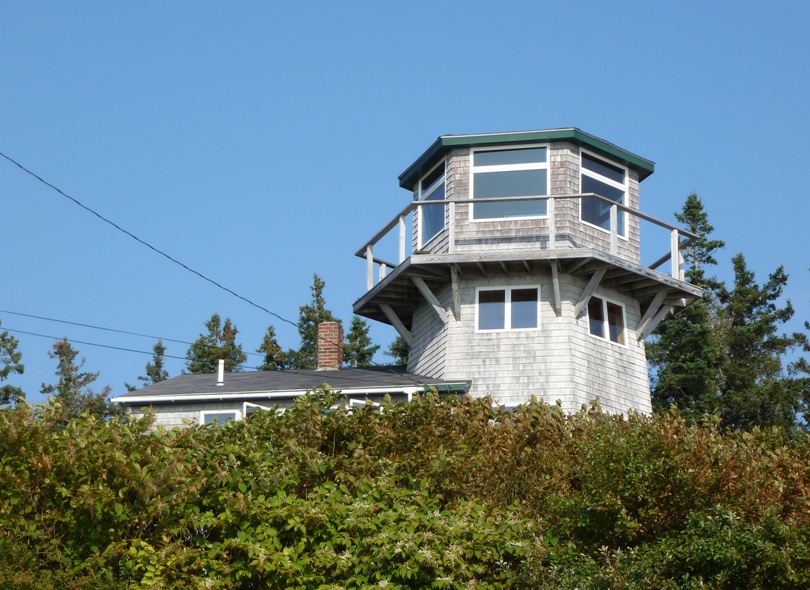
x=10, y=363
x=440, y=493
x=399, y=349
x=155, y=373
x=725, y=353
x=219, y=343
x=275, y=359
x=306, y=357
x=358, y=351
x=72, y=392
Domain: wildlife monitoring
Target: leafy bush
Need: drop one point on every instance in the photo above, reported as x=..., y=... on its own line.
x=440, y=493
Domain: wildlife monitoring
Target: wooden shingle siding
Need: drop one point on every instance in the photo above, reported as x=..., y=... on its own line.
x=558, y=361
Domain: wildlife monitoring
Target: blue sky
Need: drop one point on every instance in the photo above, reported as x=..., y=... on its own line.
x=261, y=142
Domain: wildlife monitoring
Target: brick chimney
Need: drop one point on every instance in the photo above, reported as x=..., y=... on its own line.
x=330, y=345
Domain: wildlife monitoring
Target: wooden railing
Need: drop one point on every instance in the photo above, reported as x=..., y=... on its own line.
x=676, y=246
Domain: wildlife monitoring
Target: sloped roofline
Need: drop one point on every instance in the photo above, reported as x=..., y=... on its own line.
x=445, y=143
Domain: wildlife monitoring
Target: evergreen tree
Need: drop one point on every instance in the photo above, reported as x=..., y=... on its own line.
x=10, y=363
x=399, y=349
x=358, y=349
x=155, y=373
x=219, y=343
x=275, y=359
x=756, y=388
x=72, y=390
x=683, y=353
x=306, y=357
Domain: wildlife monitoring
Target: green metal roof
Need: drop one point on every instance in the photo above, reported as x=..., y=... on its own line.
x=445, y=143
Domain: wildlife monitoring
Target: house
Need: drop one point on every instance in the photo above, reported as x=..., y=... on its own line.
x=206, y=398
x=519, y=273
x=519, y=268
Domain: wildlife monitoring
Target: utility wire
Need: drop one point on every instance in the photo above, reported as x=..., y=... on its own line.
x=171, y=356
x=148, y=245
x=28, y=315
x=160, y=252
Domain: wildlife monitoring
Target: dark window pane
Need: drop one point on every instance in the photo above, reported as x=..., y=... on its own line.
x=219, y=417
x=598, y=212
x=615, y=322
x=524, y=308
x=603, y=168
x=433, y=215
x=432, y=178
x=506, y=157
x=491, y=310
x=518, y=183
x=596, y=317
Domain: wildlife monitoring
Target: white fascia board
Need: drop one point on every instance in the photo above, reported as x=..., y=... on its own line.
x=193, y=397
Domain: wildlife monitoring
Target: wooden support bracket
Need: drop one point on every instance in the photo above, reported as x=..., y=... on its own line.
x=456, y=294
x=596, y=278
x=659, y=317
x=398, y=325
x=431, y=298
x=555, y=279
x=650, y=313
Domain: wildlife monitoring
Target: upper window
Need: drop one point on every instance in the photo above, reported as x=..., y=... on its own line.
x=519, y=172
x=607, y=180
x=508, y=308
x=431, y=188
x=606, y=319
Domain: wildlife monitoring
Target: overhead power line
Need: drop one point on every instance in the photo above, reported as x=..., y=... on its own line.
x=157, y=251
x=171, y=356
x=145, y=243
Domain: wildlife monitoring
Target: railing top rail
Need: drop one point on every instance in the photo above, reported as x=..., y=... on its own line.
x=414, y=204
x=389, y=226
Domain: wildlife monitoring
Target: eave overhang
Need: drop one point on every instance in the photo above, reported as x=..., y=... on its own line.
x=398, y=291
x=445, y=143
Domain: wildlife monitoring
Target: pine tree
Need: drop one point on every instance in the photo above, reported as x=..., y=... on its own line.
x=683, y=353
x=155, y=373
x=358, y=351
x=72, y=390
x=275, y=359
x=219, y=343
x=756, y=388
x=306, y=357
x=399, y=349
x=10, y=363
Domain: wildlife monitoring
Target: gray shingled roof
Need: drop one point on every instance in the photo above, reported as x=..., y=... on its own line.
x=290, y=381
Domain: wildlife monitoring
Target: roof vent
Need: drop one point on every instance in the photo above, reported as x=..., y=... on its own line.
x=221, y=373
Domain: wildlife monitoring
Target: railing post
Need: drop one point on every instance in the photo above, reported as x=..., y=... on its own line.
x=614, y=229
x=675, y=255
x=369, y=268
x=401, y=239
x=383, y=270
x=552, y=224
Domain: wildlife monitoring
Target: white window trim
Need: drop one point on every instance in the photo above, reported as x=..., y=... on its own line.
x=605, y=324
x=624, y=187
x=507, y=320
x=204, y=413
x=508, y=168
x=423, y=197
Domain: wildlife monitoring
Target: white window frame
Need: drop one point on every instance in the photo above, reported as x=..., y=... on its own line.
x=509, y=168
x=606, y=322
x=610, y=182
x=424, y=196
x=206, y=413
x=507, y=319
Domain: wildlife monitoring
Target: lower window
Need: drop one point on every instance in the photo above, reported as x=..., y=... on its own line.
x=219, y=417
x=508, y=308
x=606, y=319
